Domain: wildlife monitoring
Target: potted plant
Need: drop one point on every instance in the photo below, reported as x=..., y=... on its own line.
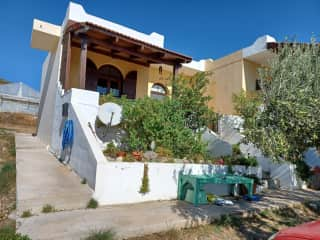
x=137, y=155
x=121, y=154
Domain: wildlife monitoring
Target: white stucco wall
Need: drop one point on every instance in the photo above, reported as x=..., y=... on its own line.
x=48, y=96
x=86, y=150
x=76, y=13
x=230, y=128
x=120, y=182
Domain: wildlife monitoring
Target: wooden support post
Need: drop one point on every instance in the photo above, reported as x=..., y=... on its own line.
x=67, y=84
x=83, y=62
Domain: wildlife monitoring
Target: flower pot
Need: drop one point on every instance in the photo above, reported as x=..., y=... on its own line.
x=121, y=154
x=137, y=155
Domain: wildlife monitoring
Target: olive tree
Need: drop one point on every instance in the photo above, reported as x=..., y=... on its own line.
x=283, y=120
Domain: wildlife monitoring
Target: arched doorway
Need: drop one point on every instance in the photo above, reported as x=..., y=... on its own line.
x=110, y=80
x=91, y=75
x=130, y=85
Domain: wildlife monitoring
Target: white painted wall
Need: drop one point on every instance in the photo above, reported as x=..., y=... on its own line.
x=86, y=150
x=119, y=182
x=76, y=13
x=230, y=128
x=48, y=96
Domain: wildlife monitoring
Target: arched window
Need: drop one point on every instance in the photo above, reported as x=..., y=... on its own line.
x=110, y=80
x=158, y=91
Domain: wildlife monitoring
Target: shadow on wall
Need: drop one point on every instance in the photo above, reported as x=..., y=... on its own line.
x=112, y=134
x=217, y=147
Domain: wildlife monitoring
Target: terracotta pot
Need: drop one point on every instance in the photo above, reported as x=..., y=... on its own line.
x=121, y=154
x=137, y=155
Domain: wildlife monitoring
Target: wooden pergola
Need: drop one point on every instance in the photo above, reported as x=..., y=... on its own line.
x=91, y=37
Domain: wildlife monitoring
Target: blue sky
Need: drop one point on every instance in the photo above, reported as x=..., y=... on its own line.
x=201, y=29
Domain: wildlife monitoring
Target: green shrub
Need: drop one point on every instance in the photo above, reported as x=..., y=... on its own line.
x=84, y=181
x=164, y=152
x=48, y=208
x=111, y=150
x=150, y=120
x=92, y=203
x=101, y=235
x=303, y=170
x=247, y=161
x=9, y=233
x=236, y=150
x=241, y=160
x=7, y=177
x=26, y=214
x=173, y=124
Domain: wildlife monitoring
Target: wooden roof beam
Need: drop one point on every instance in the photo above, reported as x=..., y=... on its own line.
x=130, y=52
x=108, y=53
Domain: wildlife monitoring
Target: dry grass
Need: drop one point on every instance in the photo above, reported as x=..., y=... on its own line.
x=7, y=175
x=19, y=122
x=258, y=226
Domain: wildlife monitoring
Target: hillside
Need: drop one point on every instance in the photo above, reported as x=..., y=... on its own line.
x=3, y=81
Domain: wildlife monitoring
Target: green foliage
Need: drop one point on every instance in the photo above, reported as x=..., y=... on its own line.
x=84, y=181
x=164, y=152
x=9, y=233
x=7, y=177
x=129, y=158
x=109, y=98
x=192, y=95
x=303, y=170
x=48, y=208
x=247, y=161
x=228, y=220
x=145, y=180
x=163, y=121
x=111, y=150
x=236, y=150
x=26, y=214
x=102, y=235
x=92, y=203
x=173, y=123
x=254, y=177
x=241, y=160
x=283, y=121
x=265, y=213
x=230, y=170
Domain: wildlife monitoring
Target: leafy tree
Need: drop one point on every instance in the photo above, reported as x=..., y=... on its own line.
x=283, y=120
x=191, y=93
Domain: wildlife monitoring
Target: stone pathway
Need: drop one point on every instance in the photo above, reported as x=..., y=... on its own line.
x=145, y=218
x=42, y=179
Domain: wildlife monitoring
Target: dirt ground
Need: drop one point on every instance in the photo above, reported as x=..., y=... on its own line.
x=256, y=227
x=19, y=122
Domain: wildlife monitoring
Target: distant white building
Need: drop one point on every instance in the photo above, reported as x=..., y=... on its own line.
x=18, y=97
